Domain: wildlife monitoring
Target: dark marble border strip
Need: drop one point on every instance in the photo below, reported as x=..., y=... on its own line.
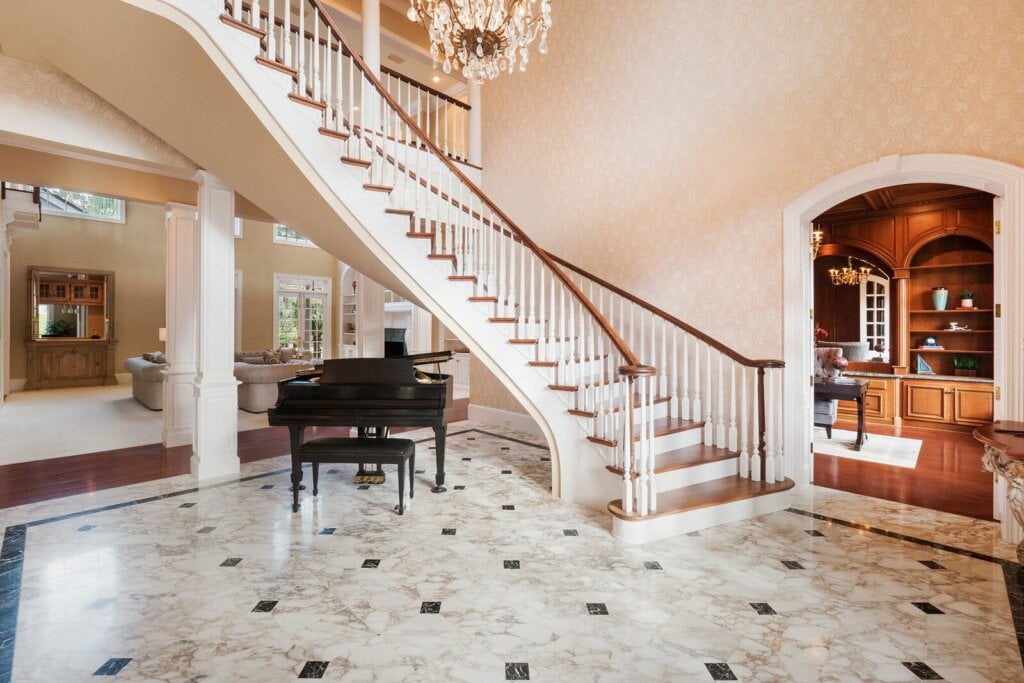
x=904, y=537
x=1013, y=572
x=11, y=560
x=506, y=438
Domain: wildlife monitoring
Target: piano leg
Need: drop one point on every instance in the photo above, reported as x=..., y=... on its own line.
x=439, y=438
x=296, y=432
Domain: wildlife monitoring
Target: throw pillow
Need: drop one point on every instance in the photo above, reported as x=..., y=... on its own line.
x=286, y=354
x=271, y=357
x=155, y=357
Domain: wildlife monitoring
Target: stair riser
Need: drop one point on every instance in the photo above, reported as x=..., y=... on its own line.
x=667, y=526
x=670, y=442
x=687, y=476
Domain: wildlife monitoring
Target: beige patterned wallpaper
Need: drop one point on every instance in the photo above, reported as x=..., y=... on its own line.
x=659, y=140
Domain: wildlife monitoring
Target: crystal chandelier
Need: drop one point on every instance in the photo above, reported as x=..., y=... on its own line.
x=849, y=275
x=482, y=37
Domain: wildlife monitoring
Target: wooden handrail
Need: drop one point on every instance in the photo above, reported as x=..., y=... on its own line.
x=710, y=341
x=632, y=363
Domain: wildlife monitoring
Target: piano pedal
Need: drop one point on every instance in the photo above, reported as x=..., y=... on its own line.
x=374, y=478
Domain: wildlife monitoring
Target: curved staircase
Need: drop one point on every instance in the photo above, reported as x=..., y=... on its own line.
x=677, y=430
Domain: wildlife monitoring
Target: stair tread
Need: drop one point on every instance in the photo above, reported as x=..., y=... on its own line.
x=658, y=400
x=687, y=456
x=664, y=426
x=705, y=494
x=331, y=133
x=355, y=162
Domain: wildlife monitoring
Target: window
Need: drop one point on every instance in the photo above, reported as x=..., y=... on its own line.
x=81, y=205
x=302, y=313
x=874, y=297
x=285, y=235
x=238, y=228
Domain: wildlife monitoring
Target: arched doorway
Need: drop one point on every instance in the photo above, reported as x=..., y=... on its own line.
x=1004, y=181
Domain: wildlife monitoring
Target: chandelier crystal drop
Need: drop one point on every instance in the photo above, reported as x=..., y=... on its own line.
x=849, y=275
x=483, y=37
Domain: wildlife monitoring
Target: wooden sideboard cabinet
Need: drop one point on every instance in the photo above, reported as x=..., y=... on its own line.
x=879, y=403
x=57, y=363
x=966, y=404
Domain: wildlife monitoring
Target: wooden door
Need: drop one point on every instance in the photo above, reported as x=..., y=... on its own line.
x=926, y=401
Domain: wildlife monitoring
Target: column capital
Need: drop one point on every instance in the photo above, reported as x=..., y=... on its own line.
x=173, y=207
x=205, y=179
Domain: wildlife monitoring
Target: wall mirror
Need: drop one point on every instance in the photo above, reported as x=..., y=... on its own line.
x=72, y=304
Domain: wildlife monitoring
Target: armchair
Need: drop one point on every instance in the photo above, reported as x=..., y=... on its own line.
x=826, y=412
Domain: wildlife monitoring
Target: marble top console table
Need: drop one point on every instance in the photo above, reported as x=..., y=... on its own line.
x=1004, y=456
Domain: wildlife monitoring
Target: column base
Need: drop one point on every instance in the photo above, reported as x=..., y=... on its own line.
x=179, y=406
x=215, y=449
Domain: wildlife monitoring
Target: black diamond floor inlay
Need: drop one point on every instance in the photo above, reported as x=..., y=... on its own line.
x=517, y=671
x=545, y=459
x=328, y=531
x=466, y=459
x=923, y=671
x=112, y=666
x=231, y=562
x=511, y=564
x=596, y=608
x=87, y=527
x=720, y=671
x=506, y=471
x=187, y=505
x=931, y=564
x=266, y=487
x=371, y=564
x=430, y=608
x=332, y=471
x=813, y=532
x=927, y=607
x=570, y=532
x=265, y=606
x=652, y=565
x=508, y=507
x=505, y=448
x=447, y=532
x=763, y=608
x=790, y=564
x=694, y=534
x=420, y=472
x=313, y=669
x=363, y=487
x=206, y=529
x=460, y=487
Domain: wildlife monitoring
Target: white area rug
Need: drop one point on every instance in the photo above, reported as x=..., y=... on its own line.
x=52, y=423
x=884, y=450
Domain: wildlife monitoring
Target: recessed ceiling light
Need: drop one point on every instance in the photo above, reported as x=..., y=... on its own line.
x=437, y=79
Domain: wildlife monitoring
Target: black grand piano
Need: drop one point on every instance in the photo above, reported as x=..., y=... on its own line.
x=369, y=394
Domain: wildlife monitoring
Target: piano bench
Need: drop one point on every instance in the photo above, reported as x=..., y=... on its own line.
x=401, y=452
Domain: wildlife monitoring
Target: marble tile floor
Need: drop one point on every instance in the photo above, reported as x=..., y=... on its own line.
x=494, y=580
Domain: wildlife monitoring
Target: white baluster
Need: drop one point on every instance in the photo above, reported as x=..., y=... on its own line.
x=652, y=482
x=531, y=318
x=696, y=409
x=663, y=366
x=236, y=10
x=301, y=47
x=720, y=425
x=286, y=34
x=627, y=465
x=684, y=398
x=709, y=430
x=254, y=13
x=780, y=455
x=673, y=405
x=338, y=89
x=769, y=425
x=733, y=436
x=755, y=436
x=641, y=451
x=744, y=427
x=271, y=29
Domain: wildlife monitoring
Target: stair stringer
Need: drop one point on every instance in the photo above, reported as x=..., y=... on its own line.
x=578, y=473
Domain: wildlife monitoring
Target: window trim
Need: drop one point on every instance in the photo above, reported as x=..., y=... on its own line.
x=308, y=243
x=327, y=294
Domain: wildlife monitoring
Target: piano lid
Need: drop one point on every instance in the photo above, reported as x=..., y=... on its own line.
x=368, y=371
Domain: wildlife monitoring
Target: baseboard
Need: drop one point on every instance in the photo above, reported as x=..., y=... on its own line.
x=18, y=384
x=123, y=377
x=504, y=418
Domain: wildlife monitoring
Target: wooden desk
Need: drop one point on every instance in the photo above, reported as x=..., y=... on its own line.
x=845, y=389
x=1004, y=456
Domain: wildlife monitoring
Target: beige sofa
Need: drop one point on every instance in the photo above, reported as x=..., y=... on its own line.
x=258, y=389
x=147, y=381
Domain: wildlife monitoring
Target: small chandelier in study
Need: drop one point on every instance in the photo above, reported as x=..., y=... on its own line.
x=849, y=275
x=483, y=37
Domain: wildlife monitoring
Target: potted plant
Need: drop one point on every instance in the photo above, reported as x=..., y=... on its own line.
x=965, y=365
x=966, y=298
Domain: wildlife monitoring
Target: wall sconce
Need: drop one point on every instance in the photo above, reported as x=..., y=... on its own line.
x=817, y=237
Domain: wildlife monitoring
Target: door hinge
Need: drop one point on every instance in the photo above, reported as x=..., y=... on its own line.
x=999, y=310
x=998, y=227
x=999, y=394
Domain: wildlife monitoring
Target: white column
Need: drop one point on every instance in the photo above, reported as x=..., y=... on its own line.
x=180, y=302
x=370, y=318
x=475, y=130
x=215, y=440
x=371, y=35
x=5, y=307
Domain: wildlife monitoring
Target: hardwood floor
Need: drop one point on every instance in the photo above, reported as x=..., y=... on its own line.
x=30, y=482
x=948, y=476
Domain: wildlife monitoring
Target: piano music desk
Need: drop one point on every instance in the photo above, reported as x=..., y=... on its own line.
x=401, y=452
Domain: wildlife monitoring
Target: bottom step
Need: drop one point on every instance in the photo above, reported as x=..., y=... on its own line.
x=700, y=506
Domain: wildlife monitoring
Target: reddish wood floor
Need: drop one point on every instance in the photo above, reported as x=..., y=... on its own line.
x=948, y=476
x=30, y=482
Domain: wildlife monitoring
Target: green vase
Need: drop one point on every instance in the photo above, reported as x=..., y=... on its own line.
x=940, y=296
